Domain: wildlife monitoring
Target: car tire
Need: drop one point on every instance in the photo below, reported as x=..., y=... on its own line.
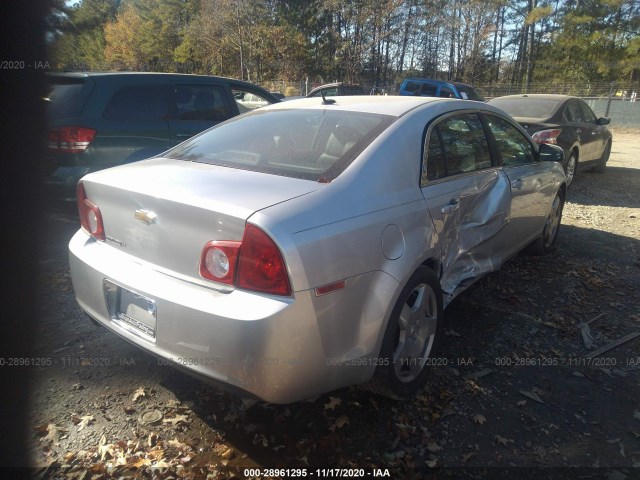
x=571, y=167
x=547, y=239
x=413, y=334
x=602, y=163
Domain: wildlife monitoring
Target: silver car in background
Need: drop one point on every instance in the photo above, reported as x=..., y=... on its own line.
x=312, y=244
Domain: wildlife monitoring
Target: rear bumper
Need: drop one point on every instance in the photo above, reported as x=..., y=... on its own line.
x=279, y=349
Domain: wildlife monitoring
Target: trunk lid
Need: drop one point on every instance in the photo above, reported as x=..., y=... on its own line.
x=164, y=211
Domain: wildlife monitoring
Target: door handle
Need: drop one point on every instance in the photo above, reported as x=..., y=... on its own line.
x=453, y=205
x=517, y=184
x=185, y=134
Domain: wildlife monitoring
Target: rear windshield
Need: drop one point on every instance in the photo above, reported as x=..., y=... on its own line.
x=309, y=144
x=527, y=107
x=66, y=99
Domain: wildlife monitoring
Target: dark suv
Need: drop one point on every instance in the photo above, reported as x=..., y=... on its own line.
x=99, y=120
x=427, y=87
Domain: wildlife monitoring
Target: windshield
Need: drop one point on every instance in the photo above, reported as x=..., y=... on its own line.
x=314, y=144
x=527, y=107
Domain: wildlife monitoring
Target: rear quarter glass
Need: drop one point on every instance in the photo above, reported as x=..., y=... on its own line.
x=67, y=97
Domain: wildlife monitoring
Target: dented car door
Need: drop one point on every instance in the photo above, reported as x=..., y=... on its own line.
x=469, y=198
x=531, y=181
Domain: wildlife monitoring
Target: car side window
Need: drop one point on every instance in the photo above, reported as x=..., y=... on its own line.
x=412, y=87
x=573, y=113
x=247, y=100
x=328, y=92
x=513, y=146
x=138, y=103
x=201, y=102
x=464, y=144
x=428, y=90
x=435, y=166
x=446, y=92
x=587, y=113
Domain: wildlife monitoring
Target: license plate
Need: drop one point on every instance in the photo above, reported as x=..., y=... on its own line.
x=131, y=310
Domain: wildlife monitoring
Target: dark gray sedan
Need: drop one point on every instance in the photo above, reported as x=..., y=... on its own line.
x=564, y=121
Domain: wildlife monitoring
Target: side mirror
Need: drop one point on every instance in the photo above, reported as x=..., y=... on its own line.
x=603, y=121
x=550, y=153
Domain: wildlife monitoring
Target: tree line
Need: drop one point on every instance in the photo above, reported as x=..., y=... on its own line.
x=373, y=42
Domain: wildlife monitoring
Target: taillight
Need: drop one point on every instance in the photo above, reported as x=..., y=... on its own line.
x=218, y=261
x=70, y=139
x=90, y=216
x=547, y=136
x=253, y=264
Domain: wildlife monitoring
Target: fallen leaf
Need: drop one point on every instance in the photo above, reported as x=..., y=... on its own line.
x=339, y=423
x=433, y=447
x=521, y=403
x=141, y=462
x=467, y=456
x=432, y=463
x=139, y=393
x=176, y=420
x=160, y=464
x=228, y=454
x=53, y=434
x=333, y=403
x=82, y=422
x=230, y=417
x=636, y=414
x=178, y=444
x=532, y=396
x=479, y=419
x=502, y=441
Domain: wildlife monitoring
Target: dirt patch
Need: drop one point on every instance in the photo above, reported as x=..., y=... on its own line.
x=516, y=386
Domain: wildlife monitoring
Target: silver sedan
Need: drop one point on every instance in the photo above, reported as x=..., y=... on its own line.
x=312, y=244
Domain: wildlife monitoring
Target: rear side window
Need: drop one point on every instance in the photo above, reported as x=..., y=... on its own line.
x=464, y=144
x=310, y=144
x=435, y=159
x=200, y=102
x=573, y=113
x=446, y=92
x=65, y=100
x=144, y=102
x=428, y=90
x=248, y=101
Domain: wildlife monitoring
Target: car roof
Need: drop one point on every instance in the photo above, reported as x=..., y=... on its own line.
x=149, y=74
x=540, y=96
x=441, y=82
x=394, y=105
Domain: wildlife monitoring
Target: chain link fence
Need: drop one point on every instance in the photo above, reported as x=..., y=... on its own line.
x=620, y=102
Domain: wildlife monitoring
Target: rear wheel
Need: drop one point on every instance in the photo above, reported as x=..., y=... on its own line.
x=602, y=163
x=570, y=169
x=413, y=334
x=547, y=239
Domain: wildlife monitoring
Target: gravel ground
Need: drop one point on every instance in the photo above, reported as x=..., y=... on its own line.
x=515, y=391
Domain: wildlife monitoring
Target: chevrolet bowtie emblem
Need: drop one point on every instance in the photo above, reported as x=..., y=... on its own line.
x=146, y=216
